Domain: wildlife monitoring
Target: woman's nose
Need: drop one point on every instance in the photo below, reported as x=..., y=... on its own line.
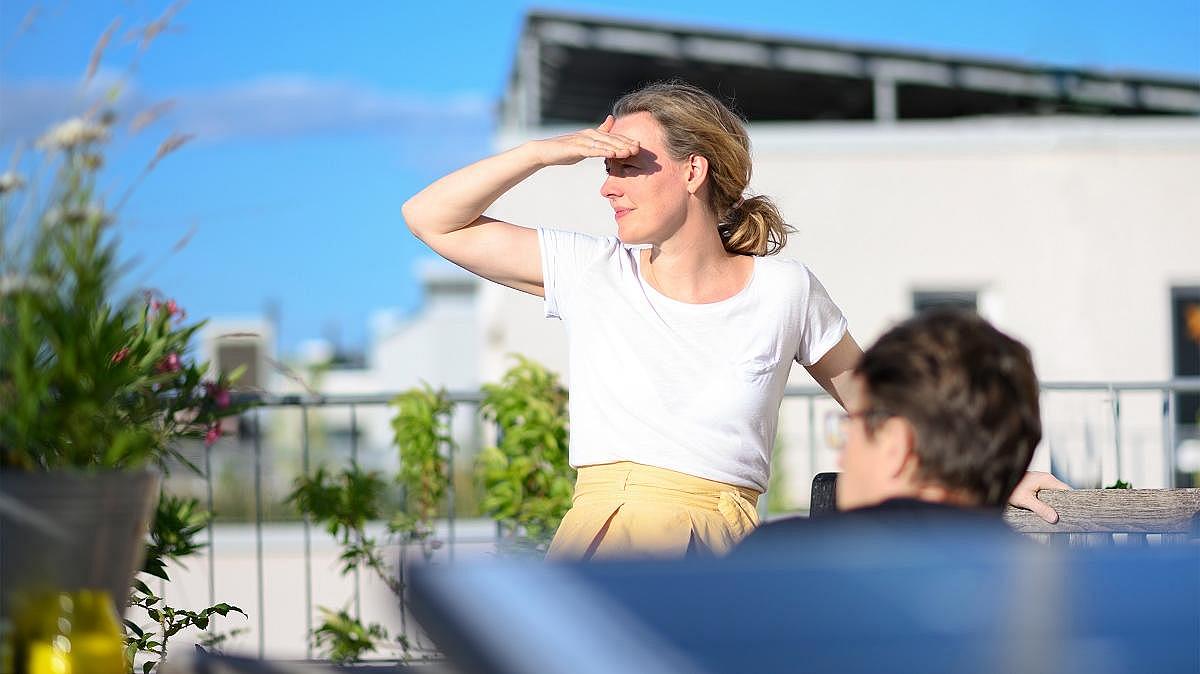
x=611, y=187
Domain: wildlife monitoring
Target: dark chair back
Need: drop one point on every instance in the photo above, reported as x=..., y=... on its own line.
x=824, y=495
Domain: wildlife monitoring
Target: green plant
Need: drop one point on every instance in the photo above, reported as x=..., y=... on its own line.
x=177, y=522
x=421, y=431
x=90, y=377
x=344, y=638
x=344, y=502
x=527, y=477
x=1120, y=484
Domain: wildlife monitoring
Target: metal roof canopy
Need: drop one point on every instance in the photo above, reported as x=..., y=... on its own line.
x=570, y=68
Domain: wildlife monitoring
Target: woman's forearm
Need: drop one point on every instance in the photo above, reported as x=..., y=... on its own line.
x=458, y=199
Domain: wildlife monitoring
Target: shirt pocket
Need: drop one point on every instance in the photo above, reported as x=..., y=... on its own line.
x=758, y=366
x=759, y=356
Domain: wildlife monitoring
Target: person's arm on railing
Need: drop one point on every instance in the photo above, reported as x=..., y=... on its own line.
x=448, y=215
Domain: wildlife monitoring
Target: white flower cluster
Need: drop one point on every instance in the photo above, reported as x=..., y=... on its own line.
x=14, y=283
x=10, y=182
x=89, y=213
x=71, y=134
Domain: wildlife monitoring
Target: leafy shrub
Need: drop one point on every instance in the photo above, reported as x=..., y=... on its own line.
x=527, y=476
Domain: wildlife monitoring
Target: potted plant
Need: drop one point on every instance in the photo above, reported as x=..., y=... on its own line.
x=96, y=384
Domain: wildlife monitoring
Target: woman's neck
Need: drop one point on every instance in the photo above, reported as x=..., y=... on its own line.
x=694, y=267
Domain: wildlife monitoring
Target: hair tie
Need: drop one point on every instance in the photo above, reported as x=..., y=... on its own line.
x=738, y=204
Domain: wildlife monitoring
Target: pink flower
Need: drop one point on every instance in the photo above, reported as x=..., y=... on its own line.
x=120, y=355
x=212, y=434
x=170, y=363
x=171, y=308
x=218, y=394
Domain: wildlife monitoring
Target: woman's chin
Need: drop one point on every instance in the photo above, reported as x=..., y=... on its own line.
x=630, y=237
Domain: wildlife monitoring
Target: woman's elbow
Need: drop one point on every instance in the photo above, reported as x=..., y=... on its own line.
x=411, y=212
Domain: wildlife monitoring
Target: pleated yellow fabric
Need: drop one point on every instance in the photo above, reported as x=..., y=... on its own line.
x=628, y=510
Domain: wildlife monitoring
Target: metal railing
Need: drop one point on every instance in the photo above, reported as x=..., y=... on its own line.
x=1169, y=391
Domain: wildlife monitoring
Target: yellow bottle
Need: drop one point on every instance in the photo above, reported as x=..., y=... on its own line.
x=78, y=635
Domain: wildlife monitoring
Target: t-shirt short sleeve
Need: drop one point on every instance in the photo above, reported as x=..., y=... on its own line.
x=565, y=256
x=824, y=324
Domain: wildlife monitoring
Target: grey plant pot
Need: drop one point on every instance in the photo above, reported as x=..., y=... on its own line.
x=68, y=530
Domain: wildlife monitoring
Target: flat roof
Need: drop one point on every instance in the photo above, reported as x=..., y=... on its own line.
x=569, y=68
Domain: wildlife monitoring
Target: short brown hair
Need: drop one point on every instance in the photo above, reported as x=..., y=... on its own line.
x=970, y=393
x=695, y=122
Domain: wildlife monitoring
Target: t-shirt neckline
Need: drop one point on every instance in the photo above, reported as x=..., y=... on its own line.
x=692, y=306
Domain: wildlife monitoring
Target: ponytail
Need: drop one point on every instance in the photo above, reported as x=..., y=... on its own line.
x=754, y=226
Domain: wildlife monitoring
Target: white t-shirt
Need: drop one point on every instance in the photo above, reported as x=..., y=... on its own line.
x=693, y=388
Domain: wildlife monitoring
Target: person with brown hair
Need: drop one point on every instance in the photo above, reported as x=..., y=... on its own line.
x=944, y=422
x=681, y=329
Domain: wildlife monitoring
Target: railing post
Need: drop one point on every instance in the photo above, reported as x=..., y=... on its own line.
x=258, y=530
x=308, y=605
x=208, y=488
x=812, y=444
x=1169, y=414
x=451, y=509
x=1114, y=396
x=354, y=461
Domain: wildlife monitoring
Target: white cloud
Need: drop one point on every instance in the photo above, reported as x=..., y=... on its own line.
x=278, y=106
x=28, y=109
x=283, y=106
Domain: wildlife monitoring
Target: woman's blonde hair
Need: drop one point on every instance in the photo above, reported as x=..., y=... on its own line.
x=694, y=122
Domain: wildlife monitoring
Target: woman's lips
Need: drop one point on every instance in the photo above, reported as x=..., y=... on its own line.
x=620, y=212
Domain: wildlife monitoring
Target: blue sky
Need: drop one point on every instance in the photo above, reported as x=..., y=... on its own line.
x=313, y=122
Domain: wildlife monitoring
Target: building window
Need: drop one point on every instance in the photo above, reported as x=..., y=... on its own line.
x=959, y=299
x=1185, y=335
x=234, y=354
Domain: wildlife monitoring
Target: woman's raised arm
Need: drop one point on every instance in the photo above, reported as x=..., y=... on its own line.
x=448, y=214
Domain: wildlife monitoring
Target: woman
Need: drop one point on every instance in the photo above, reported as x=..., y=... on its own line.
x=681, y=330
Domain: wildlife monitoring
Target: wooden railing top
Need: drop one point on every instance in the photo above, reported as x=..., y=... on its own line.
x=1149, y=511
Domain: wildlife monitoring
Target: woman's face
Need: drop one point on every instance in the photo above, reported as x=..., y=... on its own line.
x=648, y=191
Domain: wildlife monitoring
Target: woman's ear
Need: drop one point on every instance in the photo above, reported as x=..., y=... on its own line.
x=697, y=173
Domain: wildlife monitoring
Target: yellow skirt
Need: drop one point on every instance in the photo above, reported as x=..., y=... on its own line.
x=627, y=510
